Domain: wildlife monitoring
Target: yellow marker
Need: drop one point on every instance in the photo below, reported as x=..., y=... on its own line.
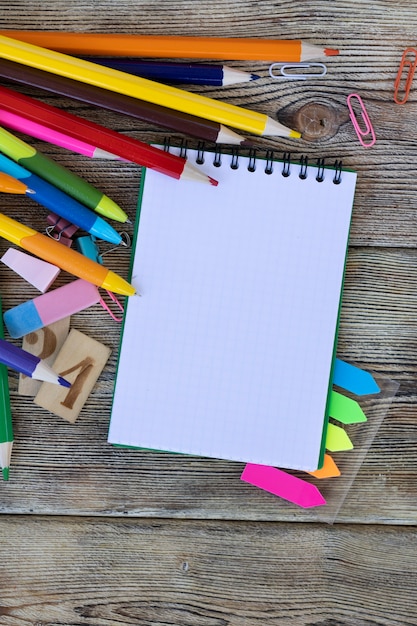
x=66, y=258
x=141, y=88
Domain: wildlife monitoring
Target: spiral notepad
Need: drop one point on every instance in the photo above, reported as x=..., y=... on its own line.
x=228, y=352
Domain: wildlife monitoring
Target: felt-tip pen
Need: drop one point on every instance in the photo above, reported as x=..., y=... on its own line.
x=66, y=180
x=60, y=202
x=66, y=258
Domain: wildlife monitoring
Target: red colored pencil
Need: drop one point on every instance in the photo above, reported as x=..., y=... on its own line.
x=125, y=147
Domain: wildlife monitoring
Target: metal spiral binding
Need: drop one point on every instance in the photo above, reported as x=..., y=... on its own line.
x=320, y=170
x=183, y=148
x=286, y=165
x=337, y=178
x=303, y=167
x=217, y=161
x=269, y=166
x=200, y=153
x=235, y=159
x=253, y=161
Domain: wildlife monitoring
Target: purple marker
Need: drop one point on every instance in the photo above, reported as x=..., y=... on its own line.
x=28, y=364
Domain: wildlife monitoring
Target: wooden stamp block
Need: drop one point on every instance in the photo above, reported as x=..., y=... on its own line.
x=44, y=343
x=81, y=361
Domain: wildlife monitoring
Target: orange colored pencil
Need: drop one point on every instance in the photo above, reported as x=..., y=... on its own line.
x=159, y=46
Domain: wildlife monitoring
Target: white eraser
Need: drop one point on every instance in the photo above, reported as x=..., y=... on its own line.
x=38, y=273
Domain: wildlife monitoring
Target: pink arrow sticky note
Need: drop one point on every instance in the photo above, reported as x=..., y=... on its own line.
x=284, y=485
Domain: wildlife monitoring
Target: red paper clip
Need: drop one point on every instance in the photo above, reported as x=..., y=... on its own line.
x=362, y=133
x=405, y=76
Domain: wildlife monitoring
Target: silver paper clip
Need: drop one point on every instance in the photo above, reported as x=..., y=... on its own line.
x=285, y=71
x=362, y=133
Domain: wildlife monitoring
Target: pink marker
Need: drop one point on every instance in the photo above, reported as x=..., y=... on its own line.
x=284, y=485
x=33, y=129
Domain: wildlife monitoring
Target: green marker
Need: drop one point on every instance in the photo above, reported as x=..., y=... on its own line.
x=6, y=427
x=72, y=184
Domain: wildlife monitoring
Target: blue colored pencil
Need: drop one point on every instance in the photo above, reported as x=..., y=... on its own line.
x=28, y=364
x=171, y=72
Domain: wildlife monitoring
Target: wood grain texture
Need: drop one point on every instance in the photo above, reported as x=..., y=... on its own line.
x=100, y=572
x=153, y=539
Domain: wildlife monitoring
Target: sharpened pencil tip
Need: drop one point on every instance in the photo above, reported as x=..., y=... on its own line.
x=31, y=191
x=331, y=52
x=63, y=382
x=213, y=181
x=128, y=221
x=5, y=472
x=254, y=76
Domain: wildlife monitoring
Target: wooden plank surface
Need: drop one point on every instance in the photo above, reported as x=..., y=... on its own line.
x=206, y=573
x=96, y=535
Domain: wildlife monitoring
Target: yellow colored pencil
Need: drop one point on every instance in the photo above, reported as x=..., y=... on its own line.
x=142, y=88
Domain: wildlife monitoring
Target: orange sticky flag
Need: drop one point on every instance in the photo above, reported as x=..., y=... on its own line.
x=329, y=469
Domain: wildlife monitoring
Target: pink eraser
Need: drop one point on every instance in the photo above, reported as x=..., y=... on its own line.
x=38, y=273
x=282, y=484
x=50, y=307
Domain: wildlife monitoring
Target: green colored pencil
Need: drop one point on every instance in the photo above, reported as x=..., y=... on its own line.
x=6, y=427
x=72, y=184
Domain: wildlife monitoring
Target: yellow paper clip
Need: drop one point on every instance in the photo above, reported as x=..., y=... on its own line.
x=289, y=71
x=405, y=75
x=362, y=133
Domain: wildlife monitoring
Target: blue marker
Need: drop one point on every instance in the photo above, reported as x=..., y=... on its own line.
x=60, y=203
x=352, y=378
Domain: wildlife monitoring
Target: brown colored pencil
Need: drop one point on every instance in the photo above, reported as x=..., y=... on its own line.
x=177, y=121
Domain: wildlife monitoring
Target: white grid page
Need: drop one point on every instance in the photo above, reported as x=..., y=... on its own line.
x=227, y=353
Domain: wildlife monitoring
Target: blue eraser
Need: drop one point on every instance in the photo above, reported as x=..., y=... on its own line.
x=22, y=319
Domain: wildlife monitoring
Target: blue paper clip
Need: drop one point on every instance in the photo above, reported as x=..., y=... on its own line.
x=285, y=71
x=362, y=133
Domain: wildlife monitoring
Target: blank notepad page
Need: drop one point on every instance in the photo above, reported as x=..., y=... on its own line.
x=228, y=351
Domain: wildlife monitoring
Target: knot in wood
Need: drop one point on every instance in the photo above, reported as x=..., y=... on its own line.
x=316, y=121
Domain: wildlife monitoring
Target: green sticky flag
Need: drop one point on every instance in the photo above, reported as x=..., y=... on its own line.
x=345, y=410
